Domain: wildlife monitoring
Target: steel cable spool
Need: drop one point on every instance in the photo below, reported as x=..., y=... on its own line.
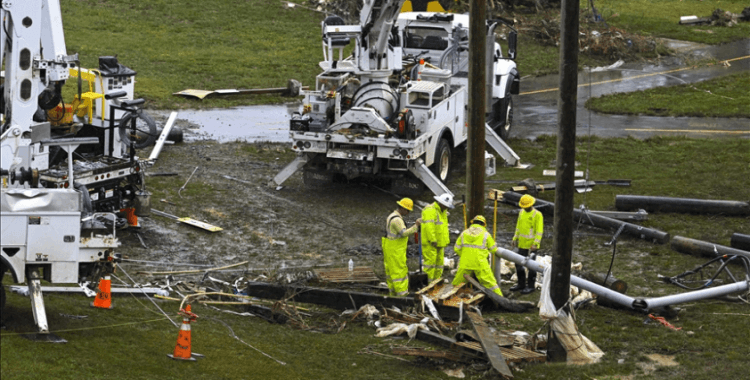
x=145, y=129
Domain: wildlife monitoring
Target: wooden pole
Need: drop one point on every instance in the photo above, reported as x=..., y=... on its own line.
x=477, y=106
x=564, y=183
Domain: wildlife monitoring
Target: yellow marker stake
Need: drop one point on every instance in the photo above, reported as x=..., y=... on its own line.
x=465, y=226
x=494, y=229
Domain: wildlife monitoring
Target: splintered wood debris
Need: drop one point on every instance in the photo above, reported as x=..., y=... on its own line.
x=343, y=275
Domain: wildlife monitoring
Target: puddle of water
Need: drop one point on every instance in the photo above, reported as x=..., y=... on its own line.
x=535, y=109
x=252, y=123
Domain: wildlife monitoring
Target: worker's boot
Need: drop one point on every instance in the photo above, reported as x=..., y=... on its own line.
x=521, y=273
x=531, y=283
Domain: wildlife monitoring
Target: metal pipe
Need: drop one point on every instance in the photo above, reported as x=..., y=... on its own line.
x=627, y=301
x=697, y=295
x=609, y=294
x=687, y=205
x=699, y=247
x=163, y=137
x=740, y=241
x=599, y=221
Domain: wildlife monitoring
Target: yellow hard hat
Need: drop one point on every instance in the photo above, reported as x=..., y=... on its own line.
x=406, y=203
x=526, y=201
x=480, y=219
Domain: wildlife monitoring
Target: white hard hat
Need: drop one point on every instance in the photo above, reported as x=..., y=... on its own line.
x=445, y=200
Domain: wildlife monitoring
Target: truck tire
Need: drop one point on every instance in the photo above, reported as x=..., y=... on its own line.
x=441, y=166
x=507, y=121
x=145, y=129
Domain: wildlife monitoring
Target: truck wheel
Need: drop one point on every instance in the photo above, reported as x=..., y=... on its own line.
x=441, y=166
x=507, y=123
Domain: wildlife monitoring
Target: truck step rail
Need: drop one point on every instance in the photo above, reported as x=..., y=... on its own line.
x=292, y=168
x=497, y=144
x=428, y=178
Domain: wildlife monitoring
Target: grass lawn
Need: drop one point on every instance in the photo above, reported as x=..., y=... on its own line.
x=132, y=340
x=217, y=44
x=660, y=18
x=721, y=97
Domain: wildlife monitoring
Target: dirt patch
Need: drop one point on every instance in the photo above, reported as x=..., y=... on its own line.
x=294, y=227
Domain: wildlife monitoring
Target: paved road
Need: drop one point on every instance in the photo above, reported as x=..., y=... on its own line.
x=536, y=107
x=535, y=111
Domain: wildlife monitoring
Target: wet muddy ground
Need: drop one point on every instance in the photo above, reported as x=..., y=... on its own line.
x=296, y=228
x=238, y=151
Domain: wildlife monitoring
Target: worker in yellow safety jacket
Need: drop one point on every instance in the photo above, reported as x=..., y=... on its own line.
x=527, y=238
x=474, y=246
x=435, y=236
x=394, y=248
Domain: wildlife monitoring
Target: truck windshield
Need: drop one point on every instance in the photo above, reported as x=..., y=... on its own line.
x=426, y=38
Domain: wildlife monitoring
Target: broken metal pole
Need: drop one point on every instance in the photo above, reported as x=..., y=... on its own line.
x=703, y=248
x=719, y=291
x=162, y=138
x=644, y=304
x=686, y=205
x=599, y=290
x=740, y=241
x=595, y=220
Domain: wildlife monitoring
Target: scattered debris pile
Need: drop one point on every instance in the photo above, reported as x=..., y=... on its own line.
x=346, y=9
x=719, y=17
x=595, y=39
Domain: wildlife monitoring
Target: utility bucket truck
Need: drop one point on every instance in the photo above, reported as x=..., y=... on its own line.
x=396, y=107
x=57, y=213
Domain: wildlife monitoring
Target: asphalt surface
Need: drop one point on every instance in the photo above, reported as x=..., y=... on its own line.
x=535, y=109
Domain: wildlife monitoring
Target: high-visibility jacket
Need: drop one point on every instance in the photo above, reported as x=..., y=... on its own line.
x=394, y=253
x=435, y=226
x=529, y=229
x=474, y=245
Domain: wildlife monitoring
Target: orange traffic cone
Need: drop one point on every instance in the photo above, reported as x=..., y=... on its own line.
x=130, y=216
x=182, y=350
x=103, y=298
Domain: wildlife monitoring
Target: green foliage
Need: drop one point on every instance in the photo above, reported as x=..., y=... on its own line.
x=721, y=97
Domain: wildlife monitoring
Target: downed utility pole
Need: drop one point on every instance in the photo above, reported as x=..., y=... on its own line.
x=338, y=299
x=506, y=304
x=687, y=205
x=596, y=220
x=702, y=248
x=740, y=241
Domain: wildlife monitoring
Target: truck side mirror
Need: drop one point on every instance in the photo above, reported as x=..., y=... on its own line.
x=512, y=42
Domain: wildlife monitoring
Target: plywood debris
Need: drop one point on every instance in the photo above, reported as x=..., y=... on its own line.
x=343, y=275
